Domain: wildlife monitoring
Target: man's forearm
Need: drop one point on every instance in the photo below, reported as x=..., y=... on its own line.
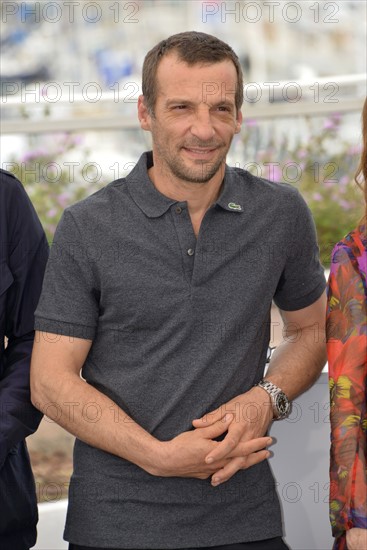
x=297, y=362
x=95, y=419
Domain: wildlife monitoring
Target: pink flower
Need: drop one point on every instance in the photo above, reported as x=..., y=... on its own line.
x=328, y=184
x=251, y=122
x=63, y=199
x=77, y=139
x=332, y=122
x=51, y=213
x=31, y=155
x=344, y=180
x=355, y=150
x=275, y=173
x=329, y=124
x=317, y=197
x=345, y=204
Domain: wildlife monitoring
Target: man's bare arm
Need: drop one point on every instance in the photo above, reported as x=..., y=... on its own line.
x=56, y=387
x=297, y=362
x=294, y=367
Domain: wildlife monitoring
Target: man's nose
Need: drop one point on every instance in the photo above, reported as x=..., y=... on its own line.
x=202, y=126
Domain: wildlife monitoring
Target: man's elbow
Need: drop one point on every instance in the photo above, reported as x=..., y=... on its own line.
x=321, y=351
x=35, y=392
x=36, y=381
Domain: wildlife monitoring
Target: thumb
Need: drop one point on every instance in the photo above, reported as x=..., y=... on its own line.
x=209, y=418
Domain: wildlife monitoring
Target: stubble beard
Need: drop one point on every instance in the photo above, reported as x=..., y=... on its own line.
x=176, y=166
x=203, y=173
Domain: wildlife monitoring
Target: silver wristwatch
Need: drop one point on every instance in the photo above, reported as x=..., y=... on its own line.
x=280, y=402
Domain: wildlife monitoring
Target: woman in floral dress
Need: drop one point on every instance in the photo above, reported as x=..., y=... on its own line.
x=347, y=359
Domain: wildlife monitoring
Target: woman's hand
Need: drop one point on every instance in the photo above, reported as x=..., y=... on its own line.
x=357, y=539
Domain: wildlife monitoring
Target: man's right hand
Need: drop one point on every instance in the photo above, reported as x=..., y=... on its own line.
x=184, y=455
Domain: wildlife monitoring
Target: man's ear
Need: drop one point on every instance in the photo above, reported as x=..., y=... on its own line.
x=238, y=122
x=143, y=114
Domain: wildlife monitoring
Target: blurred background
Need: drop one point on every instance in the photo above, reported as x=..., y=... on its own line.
x=71, y=76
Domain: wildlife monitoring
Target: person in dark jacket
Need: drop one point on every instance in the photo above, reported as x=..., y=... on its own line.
x=23, y=256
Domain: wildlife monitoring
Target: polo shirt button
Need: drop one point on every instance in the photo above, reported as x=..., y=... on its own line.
x=178, y=209
x=191, y=251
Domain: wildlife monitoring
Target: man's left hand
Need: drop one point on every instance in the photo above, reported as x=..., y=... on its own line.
x=252, y=414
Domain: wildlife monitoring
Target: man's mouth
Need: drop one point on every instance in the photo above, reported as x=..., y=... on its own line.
x=200, y=151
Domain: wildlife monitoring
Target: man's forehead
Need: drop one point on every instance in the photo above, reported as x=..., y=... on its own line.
x=211, y=80
x=173, y=63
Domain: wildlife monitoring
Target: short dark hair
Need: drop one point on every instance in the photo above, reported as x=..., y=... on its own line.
x=191, y=47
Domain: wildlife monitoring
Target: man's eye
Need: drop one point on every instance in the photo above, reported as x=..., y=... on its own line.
x=224, y=109
x=179, y=107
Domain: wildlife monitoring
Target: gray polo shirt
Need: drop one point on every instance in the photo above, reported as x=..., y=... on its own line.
x=179, y=326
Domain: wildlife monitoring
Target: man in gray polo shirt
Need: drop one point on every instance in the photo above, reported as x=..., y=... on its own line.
x=159, y=289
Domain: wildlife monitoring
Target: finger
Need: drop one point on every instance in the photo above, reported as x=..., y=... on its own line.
x=217, y=429
x=227, y=472
x=236, y=464
x=209, y=418
x=255, y=458
x=247, y=447
x=225, y=447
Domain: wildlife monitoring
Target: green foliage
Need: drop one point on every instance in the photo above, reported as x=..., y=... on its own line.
x=52, y=181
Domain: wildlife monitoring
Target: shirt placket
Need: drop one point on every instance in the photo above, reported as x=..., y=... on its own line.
x=186, y=238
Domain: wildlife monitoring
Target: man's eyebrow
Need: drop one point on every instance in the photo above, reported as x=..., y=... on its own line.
x=180, y=101
x=225, y=103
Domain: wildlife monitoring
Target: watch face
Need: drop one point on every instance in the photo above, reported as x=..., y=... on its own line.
x=282, y=404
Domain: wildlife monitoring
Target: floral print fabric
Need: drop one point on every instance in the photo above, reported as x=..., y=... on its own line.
x=347, y=359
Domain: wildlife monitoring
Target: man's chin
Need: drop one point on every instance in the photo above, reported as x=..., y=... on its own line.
x=201, y=172
x=202, y=176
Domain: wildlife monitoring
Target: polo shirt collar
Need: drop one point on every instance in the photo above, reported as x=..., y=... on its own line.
x=142, y=190
x=154, y=204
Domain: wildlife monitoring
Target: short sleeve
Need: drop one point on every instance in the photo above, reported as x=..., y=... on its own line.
x=303, y=280
x=69, y=301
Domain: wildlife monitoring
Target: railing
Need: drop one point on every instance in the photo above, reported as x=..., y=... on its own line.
x=106, y=110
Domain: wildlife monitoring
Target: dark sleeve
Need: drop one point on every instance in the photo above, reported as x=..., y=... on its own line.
x=302, y=281
x=69, y=303
x=24, y=256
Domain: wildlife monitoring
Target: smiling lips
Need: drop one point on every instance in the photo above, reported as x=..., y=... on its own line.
x=198, y=151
